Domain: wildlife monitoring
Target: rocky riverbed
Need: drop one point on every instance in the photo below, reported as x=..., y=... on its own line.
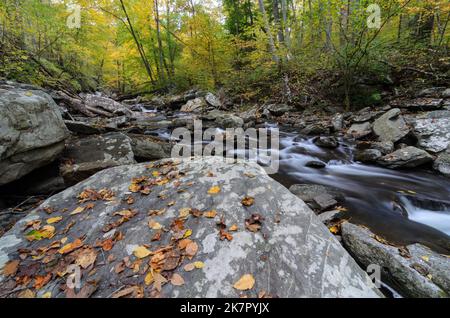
x=375, y=183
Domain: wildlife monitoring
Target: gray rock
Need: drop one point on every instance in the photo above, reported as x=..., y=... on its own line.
x=279, y=109
x=442, y=164
x=107, y=104
x=364, y=115
x=446, y=93
x=391, y=126
x=423, y=274
x=326, y=142
x=213, y=100
x=150, y=148
x=32, y=132
x=431, y=92
x=307, y=192
x=324, y=202
x=293, y=255
x=315, y=129
x=337, y=122
x=359, y=130
x=328, y=217
x=194, y=106
x=385, y=147
x=408, y=157
x=249, y=115
x=224, y=120
x=82, y=128
x=423, y=104
x=86, y=156
x=433, y=133
x=368, y=155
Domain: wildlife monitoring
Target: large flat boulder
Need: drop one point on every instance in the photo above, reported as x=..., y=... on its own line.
x=83, y=157
x=32, y=132
x=190, y=228
x=415, y=270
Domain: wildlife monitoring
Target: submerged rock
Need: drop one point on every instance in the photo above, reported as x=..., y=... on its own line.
x=408, y=157
x=32, y=132
x=86, y=156
x=391, y=127
x=288, y=253
x=415, y=270
x=368, y=155
x=326, y=142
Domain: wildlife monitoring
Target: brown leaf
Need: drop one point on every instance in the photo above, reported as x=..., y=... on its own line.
x=86, y=258
x=71, y=247
x=248, y=201
x=41, y=281
x=192, y=249
x=210, y=214
x=10, y=268
x=224, y=235
x=177, y=280
x=27, y=293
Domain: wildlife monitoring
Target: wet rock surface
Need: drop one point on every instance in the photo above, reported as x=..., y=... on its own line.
x=289, y=254
x=414, y=270
x=408, y=157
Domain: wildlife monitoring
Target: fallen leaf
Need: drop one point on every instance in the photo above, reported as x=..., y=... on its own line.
x=425, y=258
x=107, y=244
x=86, y=258
x=192, y=249
x=234, y=228
x=199, y=265
x=246, y=282
x=54, y=220
x=334, y=229
x=47, y=231
x=154, y=225
x=224, y=235
x=41, y=281
x=177, y=280
x=148, y=279
x=159, y=281
x=214, y=190
x=189, y=267
x=249, y=175
x=10, y=269
x=71, y=247
x=141, y=252
x=27, y=293
x=184, y=212
x=248, y=201
x=47, y=295
x=210, y=214
x=78, y=210
x=183, y=243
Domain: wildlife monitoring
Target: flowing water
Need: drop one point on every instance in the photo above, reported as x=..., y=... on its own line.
x=404, y=206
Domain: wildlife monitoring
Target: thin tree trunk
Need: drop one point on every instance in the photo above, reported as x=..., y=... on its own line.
x=272, y=48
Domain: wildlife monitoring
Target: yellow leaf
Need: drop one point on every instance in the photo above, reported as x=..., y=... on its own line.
x=334, y=229
x=27, y=293
x=148, y=279
x=245, y=283
x=426, y=258
x=78, y=210
x=141, y=252
x=155, y=174
x=214, y=190
x=28, y=93
x=199, y=265
x=187, y=233
x=54, y=220
x=47, y=295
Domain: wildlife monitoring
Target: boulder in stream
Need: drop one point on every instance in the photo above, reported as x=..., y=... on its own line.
x=83, y=157
x=32, y=132
x=165, y=230
x=407, y=157
x=196, y=105
x=433, y=132
x=391, y=127
x=415, y=270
